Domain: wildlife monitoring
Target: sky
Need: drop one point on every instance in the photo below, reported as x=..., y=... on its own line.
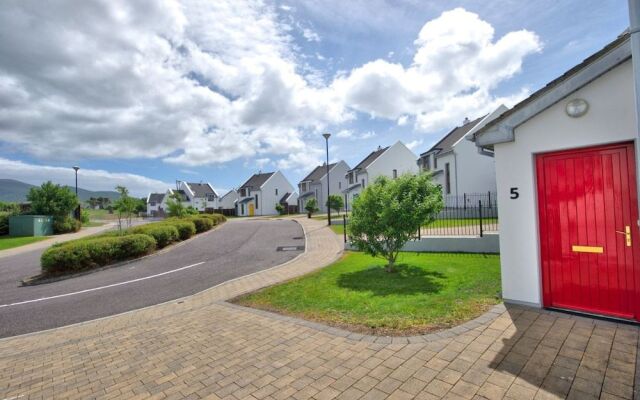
x=149, y=92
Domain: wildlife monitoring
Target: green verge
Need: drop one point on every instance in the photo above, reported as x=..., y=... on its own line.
x=8, y=242
x=429, y=292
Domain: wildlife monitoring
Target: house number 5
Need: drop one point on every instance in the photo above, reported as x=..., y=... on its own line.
x=514, y=193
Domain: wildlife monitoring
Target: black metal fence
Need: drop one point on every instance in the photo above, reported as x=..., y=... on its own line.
x=471, y=214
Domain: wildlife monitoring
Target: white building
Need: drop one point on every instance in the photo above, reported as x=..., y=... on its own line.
x=260, y=194
x=567, y=195
x=154, y=204
x=229, y=200
x=314, y=185
x=457, y=165
x=391, y=161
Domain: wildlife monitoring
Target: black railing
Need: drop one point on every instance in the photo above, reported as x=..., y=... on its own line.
x=472, y=214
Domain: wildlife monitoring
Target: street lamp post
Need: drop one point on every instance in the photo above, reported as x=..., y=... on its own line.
x=77, y=212
x=326, y=139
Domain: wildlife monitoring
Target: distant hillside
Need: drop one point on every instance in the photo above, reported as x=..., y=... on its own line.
x=12, y=190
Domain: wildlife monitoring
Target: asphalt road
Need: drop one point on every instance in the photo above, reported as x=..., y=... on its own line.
x=237, y=248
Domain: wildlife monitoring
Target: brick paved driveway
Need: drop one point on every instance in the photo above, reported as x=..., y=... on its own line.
x=202, y=347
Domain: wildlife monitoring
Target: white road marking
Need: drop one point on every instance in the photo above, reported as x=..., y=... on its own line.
x=101, y=287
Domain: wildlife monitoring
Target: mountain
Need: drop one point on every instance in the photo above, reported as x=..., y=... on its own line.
x=12, y=190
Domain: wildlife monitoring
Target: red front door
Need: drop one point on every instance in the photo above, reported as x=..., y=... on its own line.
x=588, y=230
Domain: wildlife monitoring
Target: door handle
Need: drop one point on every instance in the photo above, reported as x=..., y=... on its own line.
x=627, y=234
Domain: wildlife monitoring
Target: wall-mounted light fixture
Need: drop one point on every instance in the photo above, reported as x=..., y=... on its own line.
x=577, y=108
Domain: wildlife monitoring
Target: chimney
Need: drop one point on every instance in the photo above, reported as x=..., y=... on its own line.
x=466, y=121
x=379, y=147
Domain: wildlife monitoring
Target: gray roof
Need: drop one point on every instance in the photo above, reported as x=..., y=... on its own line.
x=156, y=197
x=201, y=189
x=446, y=143
x=370, y=158
x=317, y=173
x=284, y=198
x=257, y=180
x=183, y=195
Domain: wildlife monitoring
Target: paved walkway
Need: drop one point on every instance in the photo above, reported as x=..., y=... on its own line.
x=202, y=347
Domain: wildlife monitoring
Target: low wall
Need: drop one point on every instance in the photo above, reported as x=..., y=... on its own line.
x=488, y=243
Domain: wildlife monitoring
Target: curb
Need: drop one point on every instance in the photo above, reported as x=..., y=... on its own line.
x=34, y=280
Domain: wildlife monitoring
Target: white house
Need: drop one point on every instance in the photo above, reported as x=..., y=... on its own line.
x=314, y=185
x=391, y=161
x=154, y=204
x=229, y=200
x=260, y=194
x=200, y=196
x=457, y=165
x=567, y=193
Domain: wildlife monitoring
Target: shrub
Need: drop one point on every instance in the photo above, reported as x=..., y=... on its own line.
x=202, y=224
x=84, y=216
x=185, y=228
x=4, y=222
x=216, y=218
x=65, y=224
x=87, y=254
x=163, y=234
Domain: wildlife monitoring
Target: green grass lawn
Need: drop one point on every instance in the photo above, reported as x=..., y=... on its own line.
x=100, y=214
x=92, y=224
x=7, y=242
x=339, y=229
x=429, y=292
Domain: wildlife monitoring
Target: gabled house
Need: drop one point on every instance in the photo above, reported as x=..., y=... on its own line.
x=260, y=194
x=229, y=200
x=455, y=162
x=391, y=161
x=314, y=185
x=154, y=204
x=200, y=196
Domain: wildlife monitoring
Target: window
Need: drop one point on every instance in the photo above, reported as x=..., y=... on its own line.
x=363, y=183
x=211, y=197
x=395, y=173
x=243, y=192
x=435, y=162
x=257, y=202
x=427, y=162
x=241, y=208
x=350, y=179
x=339, y=185
x=276, y=191
x=447, y=179
x=152, y=203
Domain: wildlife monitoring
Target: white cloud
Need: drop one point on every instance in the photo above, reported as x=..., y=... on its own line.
x=91, y=179
x=414, y=144
x=456, y=65
x=206, y=82
x=352, y=135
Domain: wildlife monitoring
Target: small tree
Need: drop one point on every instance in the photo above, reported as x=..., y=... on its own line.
x=335, y=202
x=57, y=201
x=175, y=207
x=280, y=208
x=388, y=213
x=311, y=206
x=125, y=206
x=52, y=199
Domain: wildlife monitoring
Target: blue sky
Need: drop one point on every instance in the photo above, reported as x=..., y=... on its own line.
x=144, y=94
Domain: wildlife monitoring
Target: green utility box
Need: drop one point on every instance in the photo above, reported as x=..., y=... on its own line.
x=30, y=225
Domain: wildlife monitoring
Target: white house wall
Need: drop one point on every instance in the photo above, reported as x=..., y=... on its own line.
x=610, y=119
x=397, y=157
x=474, y=172
x=268, y=199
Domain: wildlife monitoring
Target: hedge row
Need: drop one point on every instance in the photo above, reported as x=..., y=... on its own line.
x=113, y=246
x=94, y=253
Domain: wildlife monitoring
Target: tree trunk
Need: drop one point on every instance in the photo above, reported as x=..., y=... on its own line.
x=391, y=265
